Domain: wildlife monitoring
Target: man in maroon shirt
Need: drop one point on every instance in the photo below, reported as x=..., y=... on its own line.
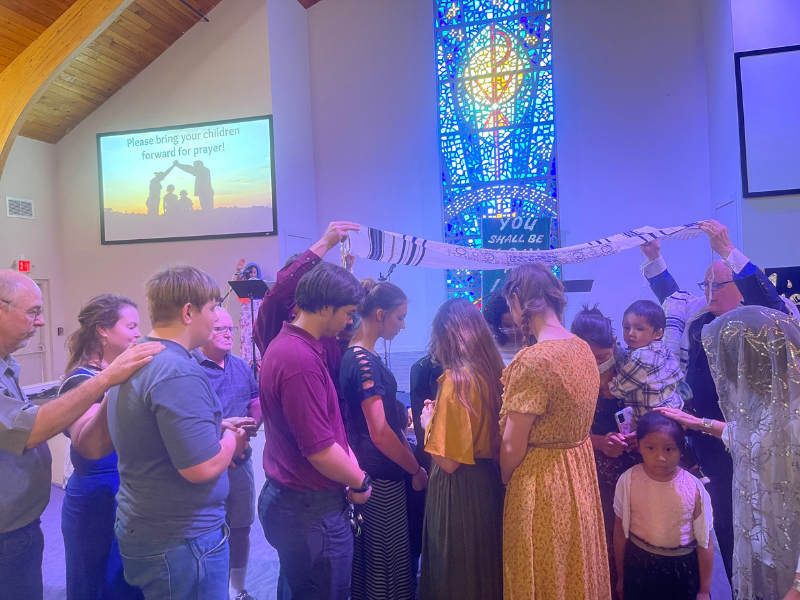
x=308, y=463
x=278, y=304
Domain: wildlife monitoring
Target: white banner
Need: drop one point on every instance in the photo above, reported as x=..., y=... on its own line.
x=385, y=246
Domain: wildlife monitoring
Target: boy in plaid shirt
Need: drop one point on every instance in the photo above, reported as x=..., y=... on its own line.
x=652, y=374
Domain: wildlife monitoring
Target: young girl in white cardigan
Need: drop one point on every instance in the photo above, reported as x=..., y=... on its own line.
x=662, y=531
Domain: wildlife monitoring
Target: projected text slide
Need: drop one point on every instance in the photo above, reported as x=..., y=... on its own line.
x=192, y=181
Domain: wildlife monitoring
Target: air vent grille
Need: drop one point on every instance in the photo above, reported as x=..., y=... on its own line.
x=17, y=208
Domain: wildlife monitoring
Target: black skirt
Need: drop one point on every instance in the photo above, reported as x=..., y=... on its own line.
x=651, y=576
x=462, y=540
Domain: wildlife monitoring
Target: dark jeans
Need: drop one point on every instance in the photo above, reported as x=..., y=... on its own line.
x=94, y=566
x=716, y=464
x=312, y=535
x=21, y=553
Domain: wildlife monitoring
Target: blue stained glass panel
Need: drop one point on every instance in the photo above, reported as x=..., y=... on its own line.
x=496, y=119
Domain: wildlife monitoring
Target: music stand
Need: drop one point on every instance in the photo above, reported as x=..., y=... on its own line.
x=254, y=289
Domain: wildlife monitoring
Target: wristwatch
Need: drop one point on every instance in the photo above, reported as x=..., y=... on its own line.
x=706, y=423
x=365, y=485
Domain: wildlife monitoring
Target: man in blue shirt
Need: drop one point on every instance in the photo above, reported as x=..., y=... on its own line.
x=232, y=379
x=166, y=426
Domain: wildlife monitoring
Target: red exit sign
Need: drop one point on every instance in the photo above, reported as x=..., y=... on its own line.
x=24, y=266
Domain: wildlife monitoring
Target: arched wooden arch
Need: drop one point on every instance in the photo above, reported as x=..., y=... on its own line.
x=24, y=80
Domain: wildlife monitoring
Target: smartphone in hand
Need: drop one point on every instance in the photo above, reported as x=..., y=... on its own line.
x=624, y=419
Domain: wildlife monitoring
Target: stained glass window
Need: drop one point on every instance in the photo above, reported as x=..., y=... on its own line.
x=496, y=125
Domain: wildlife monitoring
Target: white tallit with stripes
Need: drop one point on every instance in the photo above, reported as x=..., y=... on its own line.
x=389, y=247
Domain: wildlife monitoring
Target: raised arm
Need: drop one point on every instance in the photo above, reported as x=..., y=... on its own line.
x=279, y=300
x=753, y=284
x=661, y=281
x=188, y=168
x=58, y=414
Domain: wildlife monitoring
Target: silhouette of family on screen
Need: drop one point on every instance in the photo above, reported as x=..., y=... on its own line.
x=183, y=203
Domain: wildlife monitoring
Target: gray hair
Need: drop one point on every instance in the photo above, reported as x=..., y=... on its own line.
x=10, y=284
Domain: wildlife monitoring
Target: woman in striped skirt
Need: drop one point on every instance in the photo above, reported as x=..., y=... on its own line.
x=375, y=422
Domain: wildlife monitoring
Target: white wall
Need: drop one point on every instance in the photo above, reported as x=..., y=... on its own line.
x=373, y=102
x=30, y=173
x=632, y=136
x=294, y=143
x=723, y=128
x=217, y=70
x=769, y=225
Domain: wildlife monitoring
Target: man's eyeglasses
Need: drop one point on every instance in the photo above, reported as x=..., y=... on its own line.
x=703, y=285
x=352, y=314
x=32, y=313
x=233, y=330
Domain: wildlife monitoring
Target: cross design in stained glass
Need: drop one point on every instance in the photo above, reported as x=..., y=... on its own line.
x=496, y=119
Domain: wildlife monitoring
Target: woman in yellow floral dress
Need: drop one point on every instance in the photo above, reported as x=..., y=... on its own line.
x=553, y=542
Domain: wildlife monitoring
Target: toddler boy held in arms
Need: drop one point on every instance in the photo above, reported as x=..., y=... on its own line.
x=651, y=375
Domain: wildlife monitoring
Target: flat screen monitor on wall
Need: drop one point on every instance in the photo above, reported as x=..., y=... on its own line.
x=768, y=90
x=199, y=181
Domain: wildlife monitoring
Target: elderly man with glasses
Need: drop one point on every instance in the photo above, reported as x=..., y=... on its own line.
x=237, y=390
x=24, y=430
x=728, y=283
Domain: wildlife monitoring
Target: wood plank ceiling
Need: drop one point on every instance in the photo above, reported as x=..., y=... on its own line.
x=133, y=41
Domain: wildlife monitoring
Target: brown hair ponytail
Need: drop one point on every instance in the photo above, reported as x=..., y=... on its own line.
x=537, y=290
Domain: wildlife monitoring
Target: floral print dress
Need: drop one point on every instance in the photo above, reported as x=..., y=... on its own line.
x=554, y=545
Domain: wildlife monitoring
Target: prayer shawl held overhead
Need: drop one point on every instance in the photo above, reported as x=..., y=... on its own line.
x=389, y=247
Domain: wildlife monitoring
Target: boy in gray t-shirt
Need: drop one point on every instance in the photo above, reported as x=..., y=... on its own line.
x=166, y=426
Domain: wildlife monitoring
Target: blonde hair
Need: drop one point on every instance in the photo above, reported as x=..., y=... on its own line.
x=174, y=286
x=537, y=290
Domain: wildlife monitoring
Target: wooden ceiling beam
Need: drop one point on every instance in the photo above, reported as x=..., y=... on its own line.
x=25, y=80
